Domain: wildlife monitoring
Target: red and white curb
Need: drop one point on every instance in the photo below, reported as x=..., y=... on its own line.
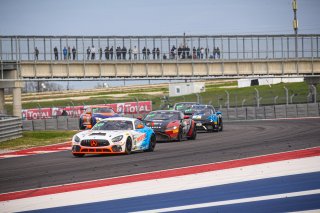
x=254, y=168
x=37, y=150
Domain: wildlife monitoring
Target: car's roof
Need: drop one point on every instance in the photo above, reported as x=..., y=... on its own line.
x=98, y=106
x=202, y=105
x=167, y=111
x=185, y=103
x=121, y=119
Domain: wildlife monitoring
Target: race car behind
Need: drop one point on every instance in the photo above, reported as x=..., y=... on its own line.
x=94, y=114
x=206, y=117
x=171, y=125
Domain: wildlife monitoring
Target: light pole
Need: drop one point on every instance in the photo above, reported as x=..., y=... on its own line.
x=295, y=25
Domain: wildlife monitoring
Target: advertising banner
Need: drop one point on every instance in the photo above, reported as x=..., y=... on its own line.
x=141, y=107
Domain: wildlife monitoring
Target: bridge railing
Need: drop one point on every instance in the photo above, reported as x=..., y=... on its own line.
x=225, y=47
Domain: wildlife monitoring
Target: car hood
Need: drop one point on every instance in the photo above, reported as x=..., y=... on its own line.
x=160, y=124
x=104, y=115
x=99, y=134
x=199, y=116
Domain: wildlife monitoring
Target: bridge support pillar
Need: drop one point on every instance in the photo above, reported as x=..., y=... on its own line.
x=16, y=93
x=312, y=81
x=17, y=106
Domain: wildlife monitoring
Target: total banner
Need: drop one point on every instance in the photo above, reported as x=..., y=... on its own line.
x=140, y=107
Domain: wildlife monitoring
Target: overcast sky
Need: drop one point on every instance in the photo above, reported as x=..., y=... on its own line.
x=155, y=17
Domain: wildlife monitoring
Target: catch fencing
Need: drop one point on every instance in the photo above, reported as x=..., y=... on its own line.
x=272, y=112
x=229, y=114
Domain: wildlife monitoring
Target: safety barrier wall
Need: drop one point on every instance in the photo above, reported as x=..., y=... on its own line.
x=10, y=128
x=59, y=123
x=244, y=113
x=271, y=112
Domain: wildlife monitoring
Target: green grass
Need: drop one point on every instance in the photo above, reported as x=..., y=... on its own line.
x=215, y=94
x=37, y=138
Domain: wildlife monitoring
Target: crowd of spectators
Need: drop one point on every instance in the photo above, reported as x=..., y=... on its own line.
x=182, y=52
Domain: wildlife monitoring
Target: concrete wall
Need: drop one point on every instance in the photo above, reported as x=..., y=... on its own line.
x=271, y=112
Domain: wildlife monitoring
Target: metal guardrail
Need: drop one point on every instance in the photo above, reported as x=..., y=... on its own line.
x=193, y=47
x=10, y=128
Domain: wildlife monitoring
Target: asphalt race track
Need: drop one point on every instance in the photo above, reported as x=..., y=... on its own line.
x=238, y=140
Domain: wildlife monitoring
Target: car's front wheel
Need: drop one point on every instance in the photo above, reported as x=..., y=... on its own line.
x=152, y=144
x=179, y=139
x=220, y=125
x=128, y=146
x=194, y=134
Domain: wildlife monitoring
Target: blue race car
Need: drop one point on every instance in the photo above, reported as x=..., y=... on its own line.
x=206, y=117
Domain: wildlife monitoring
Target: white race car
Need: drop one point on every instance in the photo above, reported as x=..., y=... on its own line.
x=114, y=135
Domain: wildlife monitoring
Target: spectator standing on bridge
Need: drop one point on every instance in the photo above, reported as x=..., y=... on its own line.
x=206, y=52
x=148, y=53
x=124, y=53
x=100, y=53
x=154, y=53
x=55, y=51
x=69, y=53
x=218, y=52
x=88, y=53
x=93, y=53
x=135, y=52
x=111, y=53
x=36, y=54
x=130, y=53
x=158, y=53
x=194, y=53
x=179, y=52
x=144, y=53
x=106, y=53
x=201, y=52
x=65, y=52
x=74, y=52
x=188, y=51
x=198, y=53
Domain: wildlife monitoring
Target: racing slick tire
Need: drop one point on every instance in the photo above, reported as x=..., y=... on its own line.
x=194, y=134
x=152, y=144
x=220, y=125
x=81, y=127
x=78, y=155
x=128, y=147
x=179, y=138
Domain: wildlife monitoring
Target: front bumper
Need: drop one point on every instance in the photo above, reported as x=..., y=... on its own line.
x=163, y=136
x=100, y=147
x=204, y=125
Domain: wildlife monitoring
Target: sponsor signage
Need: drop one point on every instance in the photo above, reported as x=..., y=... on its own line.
x=76, y=111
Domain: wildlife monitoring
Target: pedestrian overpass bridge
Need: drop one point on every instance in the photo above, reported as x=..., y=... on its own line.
x=36, y=58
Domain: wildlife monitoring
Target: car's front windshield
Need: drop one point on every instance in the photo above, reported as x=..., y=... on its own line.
x=162, y=115
x=198, y=109
x=183, y=106
x=102, y=110
x=113, y=125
